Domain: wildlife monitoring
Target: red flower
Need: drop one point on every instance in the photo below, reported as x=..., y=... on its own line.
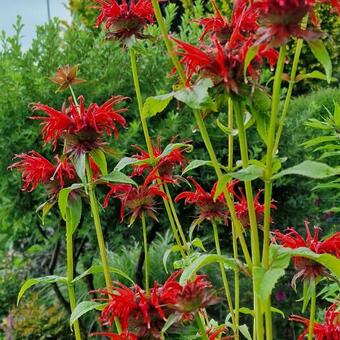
x=125, y=20
x=281, y=19
x=113, y=336
x=81, y=127
x=329, y=330
x=36, y=169
x=209, y=209
x=241, y=206
x=138, y=200
x=163, y=166
x=309, y=269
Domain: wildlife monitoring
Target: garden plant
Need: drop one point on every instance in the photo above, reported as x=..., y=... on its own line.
x=239, y=72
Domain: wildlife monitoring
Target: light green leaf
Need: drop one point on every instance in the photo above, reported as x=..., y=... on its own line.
x=125, y=162
x=247, y=311
x=337, y=115
x=83, y=308
x=251, y=53
x=46, y=208
x=202, y=261
x=312, y=75
x=321, y=54
x=319, y=140
x=170, y=147
x=309, y=169
x=249, y=173
x=63, y=200
x=196, y=164
x=166, y=255
x=245, y=332
x=99, y=269
x=157, y=104
x=221, y=185
x=46, y=279
x=278, y=311
x=75, y=209
x=225, y=129
x=197, y=242
x=79, y=165
x=118, y=177
x=99, y=158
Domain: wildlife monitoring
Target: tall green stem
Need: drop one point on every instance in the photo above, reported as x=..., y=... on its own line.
x=219, y=174
x=312, y=314
x=268, y=175
x=70, y=270
x=99, y=231
x=201, y=327
x=224, y=278
x=146, y=262
x=169, y=206
x=255, y=245
x=234, y=232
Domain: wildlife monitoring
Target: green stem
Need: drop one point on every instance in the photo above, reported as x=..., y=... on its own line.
x=201, y=327
x=224, y=278
x=69, y=256
x=312, y=314
x=234, y=232
x=255, y=245
x=99, y=231
x=167, y=41
x=268, y=175
x=219, y=174
x=73, y=95
x=146, y=261
x=169, y=206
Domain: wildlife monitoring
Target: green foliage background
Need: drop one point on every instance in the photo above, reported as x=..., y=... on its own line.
x=26, y=244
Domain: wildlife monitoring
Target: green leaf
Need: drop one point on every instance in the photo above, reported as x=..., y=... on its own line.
x=321, y=54
x=309, y=169
x=196, y=164
x=46, y=279
x=197, y=242
x=221, y=185
x=278, y=311
x=197, y=97
x=247, y=311
x=245, y=332
x=118, y=177
x=99, y=269
x=249, y=173
x=99, y=158
x=79, y=164
x=63, y=200
x=203, y=261
x=125, y=162
x=173, y=146
x=261, y=121
x=312, y=75
x=75, y=208
x=46, y=208
x=83, y=308
x=251, y=53
x=157, y=104
x=337, y=115
x=319, y=140
x=225, y=129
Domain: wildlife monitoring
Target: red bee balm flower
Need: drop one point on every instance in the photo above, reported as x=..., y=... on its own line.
x=309, y=269
x=36, y=169
x=209, y=209
x=138, y=200
x=329, y=330
x=125, y=20
x=164, y=165
x=81, y=127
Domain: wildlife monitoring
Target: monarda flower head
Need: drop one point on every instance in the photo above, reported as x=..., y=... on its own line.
x=307, y=268
x=138, y=201
x=125, y=20
x=209, y=209
x=36, y=169
x=162, y=166
x=81, y=127
x=66, y=76
x=281, y=19
x=328, y=330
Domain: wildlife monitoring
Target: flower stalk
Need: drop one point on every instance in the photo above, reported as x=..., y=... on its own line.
x=201, y=327
x=70, y=271
x=146, y=262
x=312, y=313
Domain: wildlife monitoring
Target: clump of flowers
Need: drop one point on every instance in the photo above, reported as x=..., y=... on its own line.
x=143, y=315
x=328, y=330
x=81, y=127
x=138, y=200
x=125, y=20
x=307, y=268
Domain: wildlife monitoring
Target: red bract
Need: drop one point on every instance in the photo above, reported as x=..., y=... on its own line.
x=81, y=127
x=36, y=169
x=281, y=19
x=126, y=19
x=140, y=200
x=329, y=330
x=309, y=269
x=113, y=336
x=209, y=209
x=241, y=206
x=163, y=166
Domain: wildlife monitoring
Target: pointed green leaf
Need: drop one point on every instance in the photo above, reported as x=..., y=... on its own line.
x=99, y=158
x=251, y=53
x=312, y=75
x=157, y=104
x=63, y=200
x=79, y=165
x=118, y=177
x=83, y=308
x=249, y=173
x=309, y=169
x=319, y=140
x=221, y=185
x=75, y=209
x=337, y=115
x=46, y=279
x=196, y=164
x=321, y=54
x=124, y=162
x=173, y=146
